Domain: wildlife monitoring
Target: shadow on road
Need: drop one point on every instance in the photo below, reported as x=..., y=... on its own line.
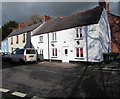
x=9, y=64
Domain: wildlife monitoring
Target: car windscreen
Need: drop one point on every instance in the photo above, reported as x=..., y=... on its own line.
x=20, y=51
x=30, y=51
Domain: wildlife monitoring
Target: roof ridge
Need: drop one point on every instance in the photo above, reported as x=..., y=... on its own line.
x=81, y=12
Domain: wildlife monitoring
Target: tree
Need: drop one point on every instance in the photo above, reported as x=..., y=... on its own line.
x=7, y=28
x=33, y=19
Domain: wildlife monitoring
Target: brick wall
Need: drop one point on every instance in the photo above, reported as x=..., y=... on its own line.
x=114, y=22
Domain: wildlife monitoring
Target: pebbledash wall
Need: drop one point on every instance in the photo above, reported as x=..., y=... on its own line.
x=95, y=40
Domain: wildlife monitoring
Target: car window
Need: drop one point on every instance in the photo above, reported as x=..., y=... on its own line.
x=20, y=51
x=30, y=52
x=14, y=52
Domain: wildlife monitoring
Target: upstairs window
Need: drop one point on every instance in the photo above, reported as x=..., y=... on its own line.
x=79, y=32
x=40, y=39
x=54, y=52
x=11, y=40
x=54, y=36
x=17, y=39
x=23, y=38
x=79, y=52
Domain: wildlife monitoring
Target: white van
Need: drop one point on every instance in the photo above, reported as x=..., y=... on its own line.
x=24, y=55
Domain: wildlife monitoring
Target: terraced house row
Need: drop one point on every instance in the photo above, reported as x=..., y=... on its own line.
x=82, y=36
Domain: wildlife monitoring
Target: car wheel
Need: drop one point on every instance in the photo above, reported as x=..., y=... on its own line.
x=21, y=61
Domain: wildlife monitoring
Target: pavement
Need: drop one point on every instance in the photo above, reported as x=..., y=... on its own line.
x=51, y=79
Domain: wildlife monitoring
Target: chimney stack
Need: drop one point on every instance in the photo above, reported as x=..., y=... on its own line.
x=107, y=6
x=104, y=4
x=21, y=25
x=46, y=18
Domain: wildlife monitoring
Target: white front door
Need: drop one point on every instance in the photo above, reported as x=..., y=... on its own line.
x=65, y=54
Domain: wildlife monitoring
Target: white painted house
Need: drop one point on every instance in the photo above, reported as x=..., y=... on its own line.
x=21, y=37
x=83, y=36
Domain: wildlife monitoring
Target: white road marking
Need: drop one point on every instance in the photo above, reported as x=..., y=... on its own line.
x=19, y=94
x=35, y=97
x=4, y=90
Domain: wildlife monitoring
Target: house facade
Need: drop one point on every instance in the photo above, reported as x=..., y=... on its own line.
x=83, y=36
x=21, y=38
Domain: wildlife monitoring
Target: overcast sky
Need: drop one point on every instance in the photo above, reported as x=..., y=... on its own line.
x=18, y=11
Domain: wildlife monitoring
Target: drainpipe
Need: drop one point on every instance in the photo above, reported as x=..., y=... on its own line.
x=86, y=42
x=48, y=49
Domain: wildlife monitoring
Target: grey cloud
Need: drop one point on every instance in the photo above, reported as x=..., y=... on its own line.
x=20, y=10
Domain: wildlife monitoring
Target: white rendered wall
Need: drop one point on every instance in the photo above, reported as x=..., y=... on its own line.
x=94, y=43
x=104, y=34
x=41, y=46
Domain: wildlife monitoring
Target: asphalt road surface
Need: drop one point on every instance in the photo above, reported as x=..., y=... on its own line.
x=46, y=79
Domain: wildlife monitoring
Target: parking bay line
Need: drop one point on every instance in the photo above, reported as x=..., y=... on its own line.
x=4, y=90
x=19, y=94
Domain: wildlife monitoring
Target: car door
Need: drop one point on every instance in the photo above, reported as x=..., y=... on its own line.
x=13, y=56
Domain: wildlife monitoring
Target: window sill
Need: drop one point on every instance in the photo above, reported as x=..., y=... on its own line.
x=81, y=58
x=79, y=38
x=40, y=42
x=53, y=41
x=54, y=57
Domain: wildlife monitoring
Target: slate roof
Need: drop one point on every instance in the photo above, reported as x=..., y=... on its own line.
x=88, y=17
x=23, y=30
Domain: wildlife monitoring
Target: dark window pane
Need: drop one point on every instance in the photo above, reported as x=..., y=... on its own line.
x=77, y=52
x=66, y=51
x=80, y=34
x=81, y=55
x=55, y=52
x=30, y=52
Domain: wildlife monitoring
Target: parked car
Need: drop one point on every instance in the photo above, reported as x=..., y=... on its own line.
x=24, y=55
x=5, y=57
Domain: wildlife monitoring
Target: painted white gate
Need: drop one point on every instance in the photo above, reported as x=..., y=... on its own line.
x=65, y=54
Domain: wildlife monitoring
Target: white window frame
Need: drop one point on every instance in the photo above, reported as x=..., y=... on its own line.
x=81, y=55
x=54, y=54
x=54, y=36
x=79, y=33
x=41, y=39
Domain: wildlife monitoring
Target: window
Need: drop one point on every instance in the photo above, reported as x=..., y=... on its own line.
x=66, y=51
x=41, y=52
x=54, y=36
x=20, y=51
x=40, y=39
x=30, y=51
x=17, y=39
x=11, y=40
x=23, y=38
x=79, y=52
x=54, y=52
x=79, y=32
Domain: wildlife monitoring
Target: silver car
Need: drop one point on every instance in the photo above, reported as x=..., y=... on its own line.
x=24, y=55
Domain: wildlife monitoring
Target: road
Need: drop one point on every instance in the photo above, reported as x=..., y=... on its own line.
x=46, y=79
